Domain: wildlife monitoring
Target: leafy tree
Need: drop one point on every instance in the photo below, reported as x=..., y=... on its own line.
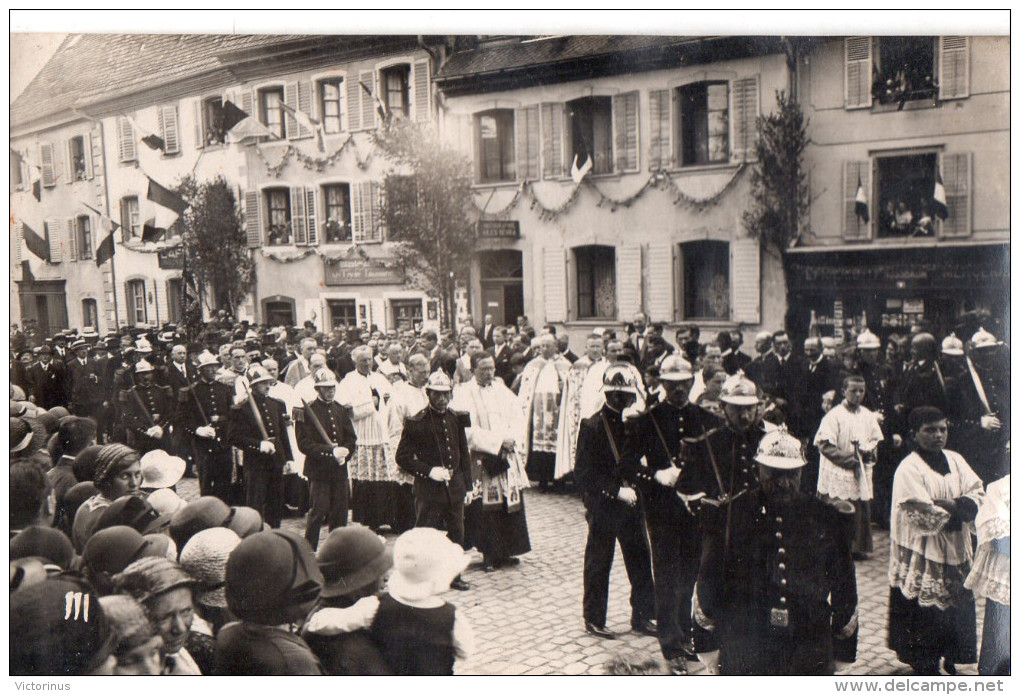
x=219, y=267
x=428, y=210
x=779, y=189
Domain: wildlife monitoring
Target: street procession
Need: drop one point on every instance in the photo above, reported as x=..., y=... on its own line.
x=361, y=354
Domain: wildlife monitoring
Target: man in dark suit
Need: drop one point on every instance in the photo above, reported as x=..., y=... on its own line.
x=613, y=511
x=433, y=448
x=148, y=411
x=563, y=344
x=819, y=380
x=327, y=452
x=257, y=426
x=486, y=331
x=203, y=410
x=84, y=382
x=48, y=380
x=177, y=373
x=501, y=354
x=732, y=358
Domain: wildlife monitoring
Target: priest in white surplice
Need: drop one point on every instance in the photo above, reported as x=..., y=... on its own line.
x=408, y=399
x=570, y=406
x=541, y=392
x=494, y=520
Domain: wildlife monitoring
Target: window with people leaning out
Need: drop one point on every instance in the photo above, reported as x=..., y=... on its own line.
x=277, y=216
x=590, y=123
x=903, y=69
x=906, y=189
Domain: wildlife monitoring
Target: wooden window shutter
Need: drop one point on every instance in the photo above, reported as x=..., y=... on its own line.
x=55, y=239
x=956, y=173
x=126, y=140
x=660, y=147
x=248, y=104
x=528, y=143
x=367, y=77
x=49, y=175
x=304, y=105
x=364, y=212
x=422, y=102
x=744, y=110
x=954, y=67
x=853, y=226
x=552, y=140
x=554, y=283
x=93, y=160
x=745, y=281
x=72, y=240
x=857, y=72
x=168, y=128
x=628, y=281
x=199, y=125
x=292, y=97
x=659, y=298
x=353, y=111
x=297, y=215
x=253, y=219
x=313, y=230
x=68, y=168
x=625, y=127
x=458, y=133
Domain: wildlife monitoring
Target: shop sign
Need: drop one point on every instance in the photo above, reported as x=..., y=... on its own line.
x=499, y=229
x=362, y=271
x=913, y=306
x=171, y=258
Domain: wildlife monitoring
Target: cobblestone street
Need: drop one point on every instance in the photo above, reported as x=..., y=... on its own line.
x=527, y=619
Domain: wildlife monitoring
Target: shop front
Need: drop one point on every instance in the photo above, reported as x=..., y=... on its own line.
x=888, y=290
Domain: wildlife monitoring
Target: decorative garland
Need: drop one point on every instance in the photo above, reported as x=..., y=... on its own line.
x=659, y=179
x=146, y=248
x=317, y=163
x=354, y=251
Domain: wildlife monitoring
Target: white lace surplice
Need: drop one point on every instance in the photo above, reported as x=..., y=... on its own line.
x=842, y=427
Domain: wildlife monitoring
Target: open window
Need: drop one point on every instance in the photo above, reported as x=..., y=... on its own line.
x=212, y=130
x=336, y=200
x=278, y=217
x=905, y=189
x=394, y=85
x=704, y=123
x=590, y=133
x=78, y=168
x=904, y=69
x=494, y=142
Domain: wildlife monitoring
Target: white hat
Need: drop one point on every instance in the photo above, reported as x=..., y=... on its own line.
x=439, y=381
x=739, y=390
x=675, y=368
x=165, y=501
x=780, y=449
x=204, y=557
x=425, y=561
x=868, y=340
x=325, y=378
x=618, y=378
x=983, y=339
x=143, y=366
x=952, y=345
x=160, y=469
x=258, y=374
x=206, y=359
x=143, y=345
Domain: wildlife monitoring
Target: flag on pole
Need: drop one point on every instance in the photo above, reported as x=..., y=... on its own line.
x=105, y=250
x=35, y=176
x=578, y=174
x=861, y=202
x=241, y=125
x=308, y=122
x=380, y=106
x=35, y=243
x=166, y=198
x=941, y=208
x=153, y=141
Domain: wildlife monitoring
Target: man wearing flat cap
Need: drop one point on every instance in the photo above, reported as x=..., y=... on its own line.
x=776, y=591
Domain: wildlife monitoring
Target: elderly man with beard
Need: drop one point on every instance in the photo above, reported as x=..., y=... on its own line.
x=495, y=520
x=148, y=411
x=777, y=591
x=657, y=437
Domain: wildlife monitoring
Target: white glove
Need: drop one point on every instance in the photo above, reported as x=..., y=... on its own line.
x=711, y=662
x=440, y=475
x=340, y=453
x=156, y=432
x=627, y=496
x=990, y=422
x=267, y=447
x=207, y=431
x=667, y=476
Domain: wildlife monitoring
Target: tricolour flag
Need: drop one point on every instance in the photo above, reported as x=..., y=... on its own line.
x=166, y=198
x=308, y=122
x=939, y=198
x=380, y=106
x=578, y=173
x=35, y=243
x=105, y=250
x=861, y=202
x=241, y=125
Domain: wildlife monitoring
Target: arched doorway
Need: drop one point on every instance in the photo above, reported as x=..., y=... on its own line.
x=502, y=276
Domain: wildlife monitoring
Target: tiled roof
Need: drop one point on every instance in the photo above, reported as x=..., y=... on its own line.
x=549, y=50
x=88, y=66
